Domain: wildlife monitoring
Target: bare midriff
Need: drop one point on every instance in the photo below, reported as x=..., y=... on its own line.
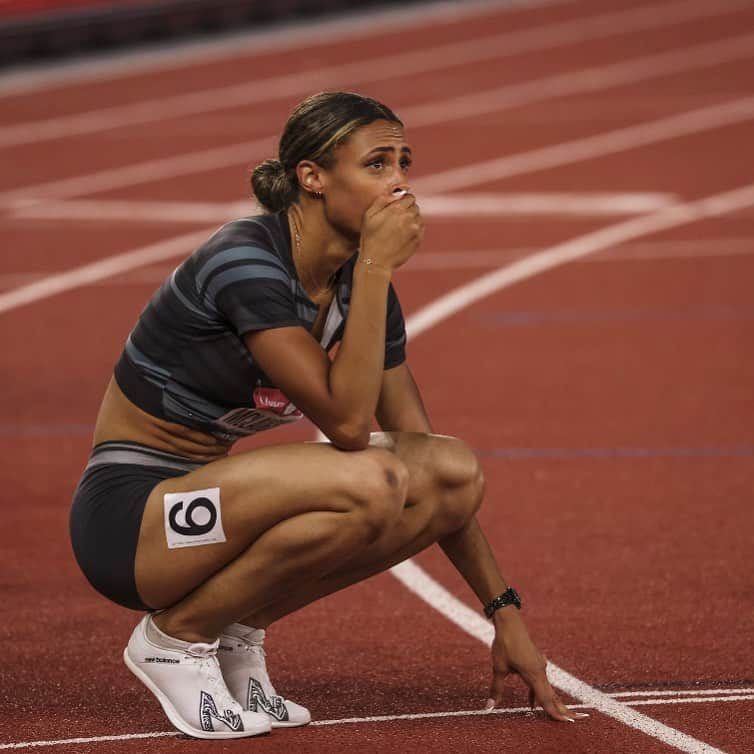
x=121, y=420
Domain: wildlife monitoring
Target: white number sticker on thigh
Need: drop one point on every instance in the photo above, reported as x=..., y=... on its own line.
x=193, y=518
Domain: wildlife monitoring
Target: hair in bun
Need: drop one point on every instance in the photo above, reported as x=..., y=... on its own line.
x=274, y=189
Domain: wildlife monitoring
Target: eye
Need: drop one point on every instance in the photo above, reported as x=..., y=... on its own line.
x=405, y=163
x=376, y=162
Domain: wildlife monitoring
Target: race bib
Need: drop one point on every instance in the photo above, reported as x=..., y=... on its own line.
x=193, y=518
x=273, y=401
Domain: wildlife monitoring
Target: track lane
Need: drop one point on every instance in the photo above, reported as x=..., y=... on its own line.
x=324, y=622
x=185, y=132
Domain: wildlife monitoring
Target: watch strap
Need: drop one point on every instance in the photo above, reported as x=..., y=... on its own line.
x=508, y=597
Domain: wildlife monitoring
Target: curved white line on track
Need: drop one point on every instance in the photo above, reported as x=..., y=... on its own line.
x=569, y=251
x=105, y=268
x=413, y=62
x=590, y=147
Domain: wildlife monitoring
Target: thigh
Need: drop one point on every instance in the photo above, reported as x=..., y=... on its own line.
x=195, y=524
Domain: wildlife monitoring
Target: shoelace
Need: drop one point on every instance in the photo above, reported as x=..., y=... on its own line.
x=257, y=649
x=210, y=669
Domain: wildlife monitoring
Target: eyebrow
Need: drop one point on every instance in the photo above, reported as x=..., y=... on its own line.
x=404, y=149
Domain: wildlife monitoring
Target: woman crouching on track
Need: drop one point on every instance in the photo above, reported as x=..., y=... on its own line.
x=237, y=340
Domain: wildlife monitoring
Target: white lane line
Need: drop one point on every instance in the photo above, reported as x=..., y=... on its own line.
x=138, y=211
x=356, y=721
x=104, y=268
x=472, y=622
x=692, y=700
x=593, y=79
x=583, y=204
x=471, y=259
x=684, y=693
x=276, y=37
x=441, y=57
x=588, y=148
x=578, y=204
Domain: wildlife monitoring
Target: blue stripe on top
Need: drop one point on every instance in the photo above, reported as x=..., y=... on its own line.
x=244, y=272
x=236, y=254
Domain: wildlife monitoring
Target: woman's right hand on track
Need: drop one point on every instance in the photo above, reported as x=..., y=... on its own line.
x=392, y=230
x=514, y=652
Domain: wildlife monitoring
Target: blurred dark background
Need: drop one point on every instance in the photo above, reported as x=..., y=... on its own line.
x=43, y=29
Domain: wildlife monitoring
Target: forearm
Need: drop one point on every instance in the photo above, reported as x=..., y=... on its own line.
x=471, y=554
x=355, y=376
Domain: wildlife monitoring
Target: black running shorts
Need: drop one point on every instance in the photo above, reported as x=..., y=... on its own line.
x=107, y=510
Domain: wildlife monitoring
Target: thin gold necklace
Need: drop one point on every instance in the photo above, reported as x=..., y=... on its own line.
x=299, y=254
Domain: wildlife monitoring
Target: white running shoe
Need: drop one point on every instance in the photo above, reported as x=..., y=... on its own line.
x=190, y=687
x=242, y=659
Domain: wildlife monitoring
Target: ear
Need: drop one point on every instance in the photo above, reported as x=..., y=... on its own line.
x=310, y=177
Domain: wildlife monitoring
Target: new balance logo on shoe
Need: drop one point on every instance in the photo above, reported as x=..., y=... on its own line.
x=208, y=711
x=168, y=660
x=258, y=701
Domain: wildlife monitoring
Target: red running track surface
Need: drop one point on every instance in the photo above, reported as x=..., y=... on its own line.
x=610, y=399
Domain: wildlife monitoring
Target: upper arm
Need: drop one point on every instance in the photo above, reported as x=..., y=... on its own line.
x=297, y=364
x=400, y=407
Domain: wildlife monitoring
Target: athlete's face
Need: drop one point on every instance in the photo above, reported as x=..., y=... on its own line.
x=374, y=161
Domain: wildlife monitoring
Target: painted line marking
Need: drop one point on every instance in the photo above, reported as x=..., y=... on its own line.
x=596, y=78
x=444, y=111
x=377, y=719
x=473, y=204
x=611, y=454
x=684, y=693
x=104, y=268
x=390, y=67
x=639, y=252
x=288, y=35
x=590, y=147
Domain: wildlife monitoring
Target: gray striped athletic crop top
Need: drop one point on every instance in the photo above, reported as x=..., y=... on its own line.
x=185, y=360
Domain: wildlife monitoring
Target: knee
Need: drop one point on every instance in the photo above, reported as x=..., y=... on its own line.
x=378, y=485
x=461, y=483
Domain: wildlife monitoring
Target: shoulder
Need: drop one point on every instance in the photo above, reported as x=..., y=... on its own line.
x=268, y=233
x=249, y=246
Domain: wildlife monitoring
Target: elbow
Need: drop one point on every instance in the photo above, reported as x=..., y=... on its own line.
x=349, y=437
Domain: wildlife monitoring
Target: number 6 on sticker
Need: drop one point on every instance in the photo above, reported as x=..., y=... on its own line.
x=193, y=518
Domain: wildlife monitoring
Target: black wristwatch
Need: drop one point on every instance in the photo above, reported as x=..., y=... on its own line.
x=508, y=597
